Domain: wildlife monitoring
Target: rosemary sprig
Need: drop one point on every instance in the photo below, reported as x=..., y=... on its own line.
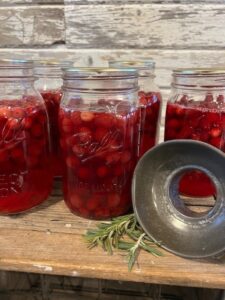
x=123, y=233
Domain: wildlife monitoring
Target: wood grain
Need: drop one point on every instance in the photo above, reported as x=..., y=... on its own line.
x=102, y=2
x=26, y=26
x=145, y=26
x=28, y=2
x=49, y=240
x=166, y=60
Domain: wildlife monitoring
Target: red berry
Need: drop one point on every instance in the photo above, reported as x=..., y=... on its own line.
x=112, y=158
x=113, y=200
x=87, y=116
x=17, y=153
x=125, y=157
x=76, y=201
x=118, y=170
x=3, y=155
x=76, y=119
x=67, y=125
x=85, y=134
x=93, y=203
x=104, y=120
x=72, y=162
x=84, y=173
x=13, y=124
x=173, y=123
x=78, y=150
x=33, y=161
x=18, y=112
x=5, y=112
x=100, y=134
x=215, y=132
x=27, y=122
x=37, y=130
x=216, y=142
x=102, y=171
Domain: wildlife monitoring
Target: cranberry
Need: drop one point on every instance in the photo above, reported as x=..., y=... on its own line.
x=37, y=130
x=87, y=116
x=72, y=162
x=67, y=125
x=102, y=171
x=84, y=173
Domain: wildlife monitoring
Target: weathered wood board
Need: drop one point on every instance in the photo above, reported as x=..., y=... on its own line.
x=49, y=240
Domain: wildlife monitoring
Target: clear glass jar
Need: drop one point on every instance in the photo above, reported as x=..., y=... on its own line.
x=149, y=101
x=25, y=177
x=196, y=110
x=99, y=133
x=49, y=83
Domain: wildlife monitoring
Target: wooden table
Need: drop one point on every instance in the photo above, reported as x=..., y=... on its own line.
x=48, y=240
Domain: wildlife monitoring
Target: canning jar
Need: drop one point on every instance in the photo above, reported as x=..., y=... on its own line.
x=196, y=110
x=49, y=83
x=149, y=101
x=99, y=132
x=25, y=177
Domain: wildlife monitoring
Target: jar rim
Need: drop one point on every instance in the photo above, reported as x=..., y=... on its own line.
x=16, y=63
x=95, y=73
x=137, y=64
x=39, y=63
x=199, y=71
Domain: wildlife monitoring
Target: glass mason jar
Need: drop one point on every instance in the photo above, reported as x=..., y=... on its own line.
x=99, y=132
x=149, y=101
x=196, y=110
x=25, y=177
x=49, y=83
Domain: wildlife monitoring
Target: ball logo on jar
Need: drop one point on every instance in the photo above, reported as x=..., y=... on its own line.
x=12, y=183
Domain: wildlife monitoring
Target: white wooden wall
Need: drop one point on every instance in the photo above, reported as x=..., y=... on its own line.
x=176, y=33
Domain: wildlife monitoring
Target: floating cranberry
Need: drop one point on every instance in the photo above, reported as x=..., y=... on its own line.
x=102, y=171
x=76, y=201
x=87, y=116
x=84, y=173
x=67, y=125
x=76, y=118
x=27, y=122
x=37, y=130
x=72, y=162
x=113, y=200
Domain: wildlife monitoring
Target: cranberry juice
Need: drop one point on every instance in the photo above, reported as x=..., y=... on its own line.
x=25, y=179
x=99, y=149
x=204, y=122
x=52, y=99
x=150, y=110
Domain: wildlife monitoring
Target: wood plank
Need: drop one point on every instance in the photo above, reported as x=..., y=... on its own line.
x=84, y=2
x=124, y=26
x=27, y=2
x=48, y=240
x=166, y=60
x=31, y=26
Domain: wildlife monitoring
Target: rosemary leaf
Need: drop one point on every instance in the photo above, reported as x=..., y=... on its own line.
x=123, y=233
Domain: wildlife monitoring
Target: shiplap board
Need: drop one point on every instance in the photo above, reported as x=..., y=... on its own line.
x=31, y=25
x=166, y=60
x=145, y=26
x=140, y=1
x=22, y=2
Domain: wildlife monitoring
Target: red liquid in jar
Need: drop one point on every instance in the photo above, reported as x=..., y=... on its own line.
x=150, y=110
x=25, y=179
x=52, y=99
x=99, y=149
x=198, y=121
